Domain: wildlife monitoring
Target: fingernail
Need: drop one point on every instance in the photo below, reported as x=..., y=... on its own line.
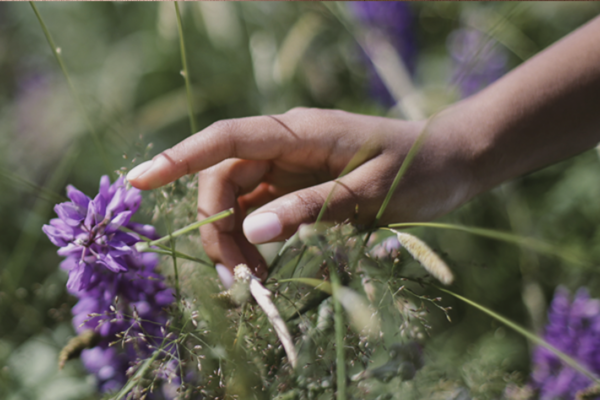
x=262, y=227
x=224, y=275
x=139, y=170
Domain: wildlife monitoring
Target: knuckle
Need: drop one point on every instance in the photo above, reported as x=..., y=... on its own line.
x=226, y=131
x=308, y=203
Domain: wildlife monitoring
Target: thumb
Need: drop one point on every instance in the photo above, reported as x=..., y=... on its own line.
x=280, y=219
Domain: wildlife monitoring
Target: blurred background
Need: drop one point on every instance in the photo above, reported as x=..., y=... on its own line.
x=398, y=59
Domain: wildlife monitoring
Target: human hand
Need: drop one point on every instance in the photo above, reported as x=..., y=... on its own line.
x=285, y=165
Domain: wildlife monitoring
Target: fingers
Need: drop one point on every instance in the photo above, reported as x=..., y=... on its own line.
x=218, y=190
x=253, y=138
x=281, y=218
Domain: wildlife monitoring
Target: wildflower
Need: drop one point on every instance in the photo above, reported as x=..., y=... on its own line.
x=88, y=231
x=574, y=328
x=388, y=249
x=104, y=266
x=478, y=60
x=394, y=20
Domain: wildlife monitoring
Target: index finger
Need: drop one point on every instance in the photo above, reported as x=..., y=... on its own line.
x=252, y=138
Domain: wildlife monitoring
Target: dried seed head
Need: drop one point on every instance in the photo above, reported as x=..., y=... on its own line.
x=427, y=257
x=242, y=273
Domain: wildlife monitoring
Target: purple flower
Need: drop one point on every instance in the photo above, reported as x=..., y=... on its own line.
x=574, y=328
x=478, y=60
x=108, y=365
x=87, y=231
x=394, y=20
x=117, y=286
x=388, y=249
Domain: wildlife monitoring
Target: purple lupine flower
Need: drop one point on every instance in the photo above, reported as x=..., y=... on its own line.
x=108, y=365
x=87, y=231
x=140, y=289
x=574, y=328
x=394, y=20
x=478, y=60
x=103, y=266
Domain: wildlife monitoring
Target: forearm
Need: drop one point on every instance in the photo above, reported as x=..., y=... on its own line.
x=544, y=111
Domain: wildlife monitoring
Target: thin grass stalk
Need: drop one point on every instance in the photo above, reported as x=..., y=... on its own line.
x=162, y=249
x=174, y=257
x=63, y=67
x=28, y=238
x=138, y=376
x=412, y=153
x=186, y=74
x=534, y=338
x=527, y=242
x=339, y=335
x=191, y=227
x=178, y=255
x=40, y=191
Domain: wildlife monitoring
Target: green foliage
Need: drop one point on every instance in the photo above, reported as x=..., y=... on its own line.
x=124, y=61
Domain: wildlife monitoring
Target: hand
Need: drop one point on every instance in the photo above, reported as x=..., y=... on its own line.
x=285, y=165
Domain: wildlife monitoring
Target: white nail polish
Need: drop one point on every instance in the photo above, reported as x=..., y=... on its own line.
x=260, y=228
x=224, y=275
x=139, y=170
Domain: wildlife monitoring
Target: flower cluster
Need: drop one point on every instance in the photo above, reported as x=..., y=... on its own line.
x=574, y=328
x=478, y=60
x=117, y=287
x=394, y=20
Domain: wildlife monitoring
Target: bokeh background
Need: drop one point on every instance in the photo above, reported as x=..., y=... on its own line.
x=265, y=57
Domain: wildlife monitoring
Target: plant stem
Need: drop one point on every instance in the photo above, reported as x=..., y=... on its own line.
x=186, y=74
x=528, y=242
x=191, y=227
x=534, y=338
x=174, y=257
x=63, y=67
x=339, y=335
x=178, y=255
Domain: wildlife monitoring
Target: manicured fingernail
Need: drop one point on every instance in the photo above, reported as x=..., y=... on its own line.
x=224, y=275
x=139, y=170
x=262, y=227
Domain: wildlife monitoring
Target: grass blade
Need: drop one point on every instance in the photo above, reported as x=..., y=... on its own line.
x=138, y=375
x=412, y=152
x=56, y=51
x=316, y=283
x=340, y=330
x=24, y=249
x=186, y=74
x=528, y=242
x=194, y=226
x=534, y=338
x=41, y=191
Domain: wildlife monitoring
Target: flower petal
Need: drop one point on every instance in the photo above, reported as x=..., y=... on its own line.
x=78, y=197
x=69, y=212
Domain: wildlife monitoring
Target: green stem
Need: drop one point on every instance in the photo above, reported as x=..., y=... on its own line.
x=534, y=338
x=528, y=242
x=178, y=255
x=41, y=191
x=414, y=150
x=63, y=67
x=191, y=227
x=339, y=335
x=186, y=74
x=174, y=257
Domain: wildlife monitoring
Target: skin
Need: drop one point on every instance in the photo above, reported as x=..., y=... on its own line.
x=544, y=111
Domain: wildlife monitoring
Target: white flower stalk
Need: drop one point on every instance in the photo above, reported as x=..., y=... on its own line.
x=263, y=297
x=427, y=257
